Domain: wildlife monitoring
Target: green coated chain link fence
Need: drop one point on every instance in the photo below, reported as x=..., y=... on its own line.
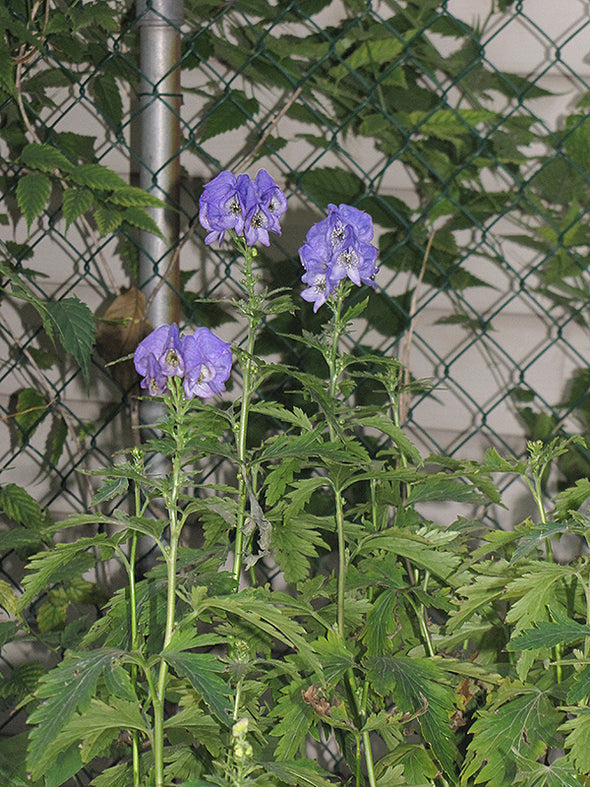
x=461, y=127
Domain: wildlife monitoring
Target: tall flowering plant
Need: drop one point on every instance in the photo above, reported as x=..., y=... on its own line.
x=301, y=610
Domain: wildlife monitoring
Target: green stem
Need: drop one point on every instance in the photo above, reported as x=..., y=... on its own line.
x=335, y=366
x=134, y=633
x=170, y=555
x=253, y=317
x=537, y=490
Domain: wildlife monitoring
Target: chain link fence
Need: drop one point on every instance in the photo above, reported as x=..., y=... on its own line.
x=461, y=127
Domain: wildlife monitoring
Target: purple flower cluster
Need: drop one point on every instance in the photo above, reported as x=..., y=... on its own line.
x=201, y=359
x=335, y=248
x=251, y=209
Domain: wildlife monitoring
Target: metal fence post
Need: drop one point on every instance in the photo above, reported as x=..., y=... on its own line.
x=159, y=120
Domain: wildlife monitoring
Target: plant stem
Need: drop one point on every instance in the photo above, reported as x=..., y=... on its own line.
x=335, y=367
x=133, y=626
x=170, y=555
x=251, y=312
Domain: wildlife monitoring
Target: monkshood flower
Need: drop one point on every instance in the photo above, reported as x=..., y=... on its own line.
x=208, y=364
x=201, y=359
x=251, y=209
x=335, y=248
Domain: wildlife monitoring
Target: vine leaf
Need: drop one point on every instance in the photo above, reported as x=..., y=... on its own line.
x=18, y=505
x=32, y=195
x=73, y=322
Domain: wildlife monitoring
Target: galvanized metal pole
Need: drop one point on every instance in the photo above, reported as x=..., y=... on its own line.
x=159, y=168
x=159, y=147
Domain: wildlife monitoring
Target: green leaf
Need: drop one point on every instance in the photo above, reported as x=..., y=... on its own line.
x=384, y=424
x=576, y=742
x=133, y=197
x=299, y=773
x=107, y=219
x=547, y=634
x=18, y=505
x=420, y=687
x=520, y=721
x=95, y=176
x=294, y=541
x=62, y=562
x=142, y=220
x=45, y=158
x=233, y=111
x=31, y=409
x=66, y=689
x=75, y=203
x=402, y=543
x=580, y=688
x=8, y=598
x=202, y=670
x=381, y=623
x=296, y=718
x=32, y=195
x=73, y=322
x=335, y=657
x=112, y=488
x=559, y=773
x=332, y=184
x=108, y=98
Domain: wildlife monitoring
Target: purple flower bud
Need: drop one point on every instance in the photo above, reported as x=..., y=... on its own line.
x=208, y=364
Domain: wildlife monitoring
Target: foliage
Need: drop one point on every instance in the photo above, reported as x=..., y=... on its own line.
x=426, y=649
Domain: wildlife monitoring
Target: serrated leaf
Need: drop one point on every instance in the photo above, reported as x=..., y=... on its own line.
x=332, y=184
x=399, y=542
x=576, y=742
x=56, y=441
x=8, y=598
x=112, y=488
x=203, y=672
x=559, y=773
x=108, y=98
x=386, y=425
x=234, y=110
x=381, y=622
x=580, y=688
x=135, y=197
x=547, y=634
x=18, y=505
x=46, y=158
x=32, y=195
x=335, y=657
x=66, y=689
x=31, y=409
x=107, y=219
x=294, y=542
x=73, y=322
x=296, y=718
x=75, y=203
x=62, y=562
x=520, y=722
x=419, y=686
x=299, y=773
x=95, y=176
x=142, y=220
